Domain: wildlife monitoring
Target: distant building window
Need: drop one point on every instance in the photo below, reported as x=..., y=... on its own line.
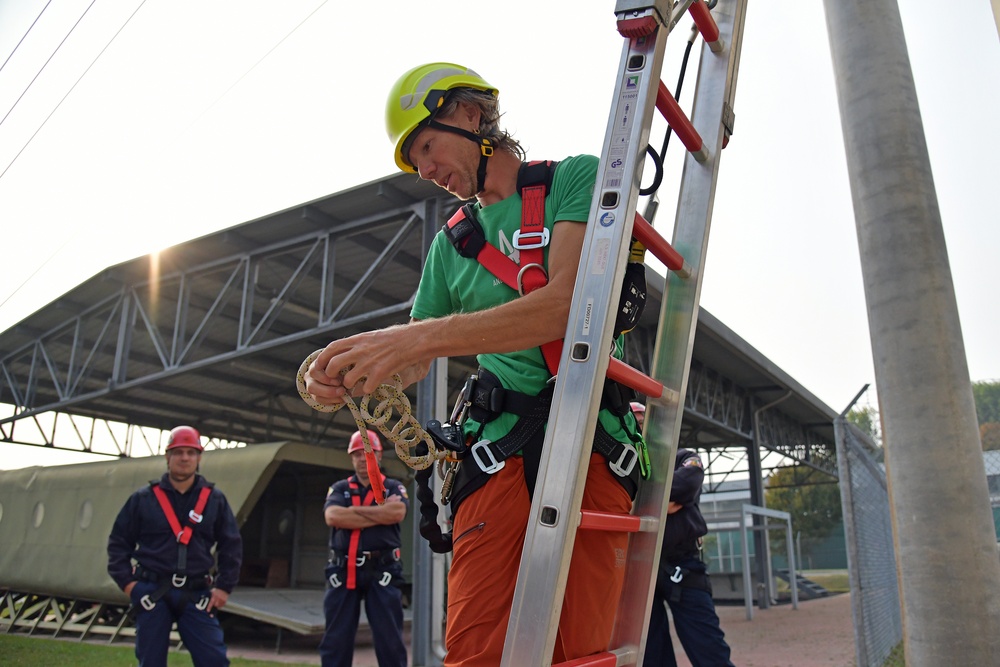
x=39, y=513
x=86, y=514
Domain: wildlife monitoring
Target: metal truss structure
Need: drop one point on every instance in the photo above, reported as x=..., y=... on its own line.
x=28, y=613
x=211, y=332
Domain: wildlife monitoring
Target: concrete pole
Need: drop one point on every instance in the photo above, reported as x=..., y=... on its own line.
x=946, y=544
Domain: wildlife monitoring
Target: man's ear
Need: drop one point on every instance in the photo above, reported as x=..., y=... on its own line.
x=471, y=113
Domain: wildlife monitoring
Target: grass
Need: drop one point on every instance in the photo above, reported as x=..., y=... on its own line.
x=895, y=658
x=20, y=651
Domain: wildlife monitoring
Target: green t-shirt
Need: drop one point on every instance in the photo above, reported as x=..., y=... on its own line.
x=453, y=284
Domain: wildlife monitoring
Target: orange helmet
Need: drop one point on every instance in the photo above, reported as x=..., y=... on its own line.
x=637, y=406
x=357, y=444
x=185, y=436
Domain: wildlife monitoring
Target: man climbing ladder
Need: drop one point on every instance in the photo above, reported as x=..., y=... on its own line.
x=443, y=121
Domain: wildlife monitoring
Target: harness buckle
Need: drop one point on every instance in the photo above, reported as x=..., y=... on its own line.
x=178, y=580
x=677, y=576
x=360, y=560
x=335, y=581
x=520, y=275
x=195, y=517
x=621, y=467
x=386, y=579
x=202, y=604
x=147, y=603
x=534, y=239
x=489, y=465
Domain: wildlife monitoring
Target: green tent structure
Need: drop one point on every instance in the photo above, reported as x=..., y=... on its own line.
x=55, y=521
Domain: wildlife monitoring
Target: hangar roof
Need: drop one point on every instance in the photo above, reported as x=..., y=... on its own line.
x=211, y=332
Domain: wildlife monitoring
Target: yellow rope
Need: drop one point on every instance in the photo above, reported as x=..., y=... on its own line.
x=405, y=434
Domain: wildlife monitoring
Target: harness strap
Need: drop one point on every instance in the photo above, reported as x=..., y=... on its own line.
x=466, y=234
x=352, y=549
x=528, y=274
x=674, y=578
x=195, y=516
x=488, y=398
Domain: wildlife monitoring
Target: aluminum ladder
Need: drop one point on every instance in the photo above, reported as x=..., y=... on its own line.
x=555, y=512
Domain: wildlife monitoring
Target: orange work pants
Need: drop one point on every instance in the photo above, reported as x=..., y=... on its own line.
x=489, y=534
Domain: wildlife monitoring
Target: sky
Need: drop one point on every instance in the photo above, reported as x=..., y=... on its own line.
x=131, y=126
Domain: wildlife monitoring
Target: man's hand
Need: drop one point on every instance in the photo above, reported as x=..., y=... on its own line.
x=128, y=588
x=673, y=507
x=372, y=357
x=217, y=600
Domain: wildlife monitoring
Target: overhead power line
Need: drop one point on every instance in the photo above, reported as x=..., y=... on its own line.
x=73, y=87
x=53, y=55
x=254, y=66
x=25, y=35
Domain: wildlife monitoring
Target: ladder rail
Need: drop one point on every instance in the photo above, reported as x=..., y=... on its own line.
x=555, y=515
x=555, y=510
x=711, y=116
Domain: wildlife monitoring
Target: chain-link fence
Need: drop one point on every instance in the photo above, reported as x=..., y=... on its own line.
x=871, y=557
x=992, y=461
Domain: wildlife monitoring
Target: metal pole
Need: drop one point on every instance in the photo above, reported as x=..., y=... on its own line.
x=432, y=394
x=943, y=527
x=744, y=544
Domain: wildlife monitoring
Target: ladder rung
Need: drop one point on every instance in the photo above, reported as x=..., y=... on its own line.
x=681, y=125
x=621, y=372
x=658, y=245
x=634, y=28
x=706, y=25
x=616, y=658
x=623, y=523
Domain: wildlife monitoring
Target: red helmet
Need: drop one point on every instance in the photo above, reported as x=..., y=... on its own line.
x=185, y=436
x=358, y=444
x=637, y=406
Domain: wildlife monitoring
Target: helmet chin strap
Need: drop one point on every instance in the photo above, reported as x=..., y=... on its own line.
x=485, y=149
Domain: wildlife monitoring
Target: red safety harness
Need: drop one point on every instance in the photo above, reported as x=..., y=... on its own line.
x=352, y=549
x=527, y=274
x=194, y=517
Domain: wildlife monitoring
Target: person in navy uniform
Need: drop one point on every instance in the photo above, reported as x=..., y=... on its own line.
x=168, y=530
x=682, y=580
x=364, y=564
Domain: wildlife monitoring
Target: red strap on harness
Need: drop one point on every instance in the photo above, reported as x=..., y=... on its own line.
x=352, y=549
x=183, y=535
x=529, y=273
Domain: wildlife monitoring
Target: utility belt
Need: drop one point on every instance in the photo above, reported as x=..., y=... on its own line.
x=366, y=558
x=195, y=587
x=173, y=580
x=486, y=398
x=673, y=577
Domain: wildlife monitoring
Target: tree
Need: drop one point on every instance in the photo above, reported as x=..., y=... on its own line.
x=812, y=498
x=867, y=419
x=989, y=433
x=987, y=395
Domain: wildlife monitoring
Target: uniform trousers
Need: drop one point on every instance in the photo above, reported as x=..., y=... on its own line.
x=199, y=630
x=695, y=621
x=383, y=607
x=489, y=530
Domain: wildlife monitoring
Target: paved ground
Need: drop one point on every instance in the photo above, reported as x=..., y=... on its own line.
x=817, y=634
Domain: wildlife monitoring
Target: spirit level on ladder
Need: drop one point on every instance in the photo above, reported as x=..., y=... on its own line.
x=555, y=513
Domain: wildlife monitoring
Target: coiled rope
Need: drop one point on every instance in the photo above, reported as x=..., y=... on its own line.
x=406, y=434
